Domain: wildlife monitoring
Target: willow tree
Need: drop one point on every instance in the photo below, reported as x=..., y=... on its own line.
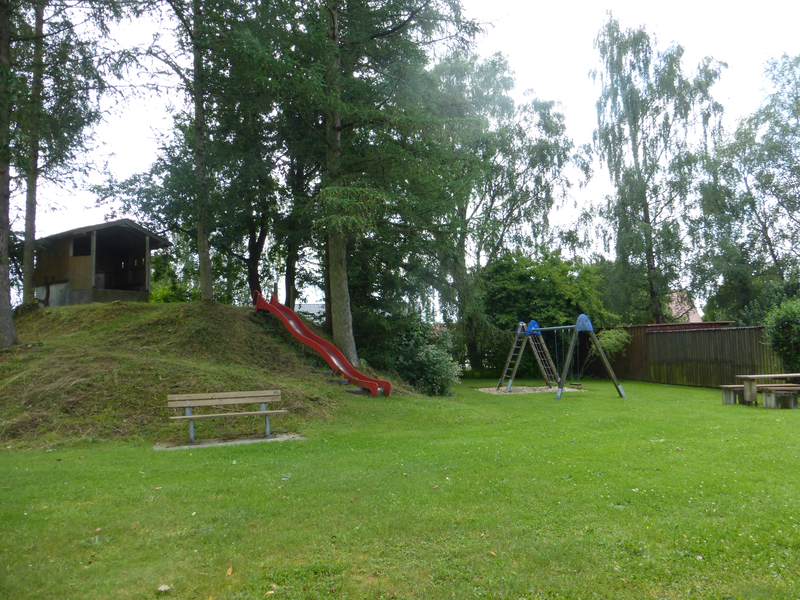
x=747, y=234
x=648, y=115
x=506, y=168
x=777, y=172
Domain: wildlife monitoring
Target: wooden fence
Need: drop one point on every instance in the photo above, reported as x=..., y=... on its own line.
x=697, y=357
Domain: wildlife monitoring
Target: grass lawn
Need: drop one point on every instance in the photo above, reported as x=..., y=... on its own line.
x=665, y=494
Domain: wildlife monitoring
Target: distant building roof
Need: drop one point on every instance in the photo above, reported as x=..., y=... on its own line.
x=123, y=227
x=682, y=307
x=312, y=309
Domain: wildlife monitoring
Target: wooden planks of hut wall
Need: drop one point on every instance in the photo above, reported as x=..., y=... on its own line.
x=709, y=357
x=80, y=273
x=52, y=263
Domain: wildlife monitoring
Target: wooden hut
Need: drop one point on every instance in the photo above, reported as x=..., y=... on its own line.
x=100, y=263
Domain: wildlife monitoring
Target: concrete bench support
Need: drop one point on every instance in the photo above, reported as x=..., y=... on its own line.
x=776, y=398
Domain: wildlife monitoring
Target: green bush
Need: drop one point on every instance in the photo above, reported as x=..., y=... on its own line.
x=408, y=346
x=551, y=290
x=614, y=343
x=169, y=290
x=783, y=333
x=770, y=296
x=423, y=359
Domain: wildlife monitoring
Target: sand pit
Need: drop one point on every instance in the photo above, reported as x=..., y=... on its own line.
x=527, y=390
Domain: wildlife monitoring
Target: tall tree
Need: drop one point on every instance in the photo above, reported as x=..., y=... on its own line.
x=8, y=333
x=259, y=104
x=746, y=232
x=197, y=34
x=341, y=314
x=506, y=168
x=647, y=115
x=34, y=143
x=739, y=235
x=776, y=174
x=372, y=52
x=61, y=71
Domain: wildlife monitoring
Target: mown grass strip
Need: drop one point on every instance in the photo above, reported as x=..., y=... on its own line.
x=665, y=494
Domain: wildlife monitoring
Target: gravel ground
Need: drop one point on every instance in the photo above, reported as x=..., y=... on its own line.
x=527, y=390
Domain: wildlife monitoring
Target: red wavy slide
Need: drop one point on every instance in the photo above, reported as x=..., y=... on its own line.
x=324, y=348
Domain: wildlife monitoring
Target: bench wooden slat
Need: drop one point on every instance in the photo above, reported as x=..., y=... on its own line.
x=786, y=386
x=236, y=414
x=770, y=376
x=223, y=401
x=218, y=395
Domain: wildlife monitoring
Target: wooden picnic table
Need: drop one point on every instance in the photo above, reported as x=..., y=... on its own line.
x=751, y=382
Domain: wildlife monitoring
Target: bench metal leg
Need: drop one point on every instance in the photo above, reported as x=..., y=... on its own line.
x=266, y=420
x=191, y=425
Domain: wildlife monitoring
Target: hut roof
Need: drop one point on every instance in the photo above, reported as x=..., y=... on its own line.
x=125, y=229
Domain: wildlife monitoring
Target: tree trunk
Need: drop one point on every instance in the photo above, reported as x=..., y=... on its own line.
x=474, y=353
x=656, y=311
x=465, y=294
x=8, y=334
x=255, y=247
x=204, y=258
x=327, y=325
x=341, y=317
x=253, y=276
x=292, y=255
x=29, y=246
x=654, y=297
x=294, y=237
x=203, y=221
x=230, y=277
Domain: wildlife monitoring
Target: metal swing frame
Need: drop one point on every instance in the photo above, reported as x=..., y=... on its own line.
x=523, y=334
x=532, y=334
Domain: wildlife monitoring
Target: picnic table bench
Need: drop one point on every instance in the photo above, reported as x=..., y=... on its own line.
x=225, y=399
x=750, y=383
x=734, y=394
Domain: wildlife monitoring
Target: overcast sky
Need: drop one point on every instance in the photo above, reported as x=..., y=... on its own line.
x=549, y=46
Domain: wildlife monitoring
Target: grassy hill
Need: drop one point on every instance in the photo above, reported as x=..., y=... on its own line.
x=104, y=371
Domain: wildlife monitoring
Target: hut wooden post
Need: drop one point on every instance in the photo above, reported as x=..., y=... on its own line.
x=94, y=260
x=147, y=262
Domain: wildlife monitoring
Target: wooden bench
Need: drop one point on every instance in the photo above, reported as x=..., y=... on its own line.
x=734, y=394
x=190, y=401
